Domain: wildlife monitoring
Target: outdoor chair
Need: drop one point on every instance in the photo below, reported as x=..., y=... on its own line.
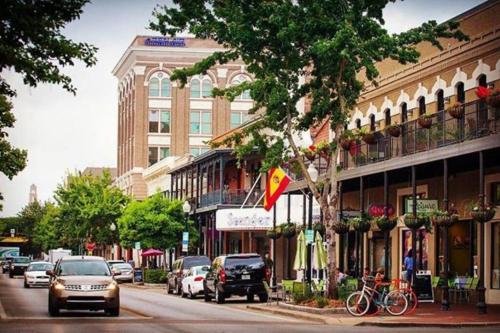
x=269, y=291
x=297, y=288
x=471, y=289
x=287, y=288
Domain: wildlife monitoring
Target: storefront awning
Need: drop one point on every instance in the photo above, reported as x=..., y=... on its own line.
x=17, y=240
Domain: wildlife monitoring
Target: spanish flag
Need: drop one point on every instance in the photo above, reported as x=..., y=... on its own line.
x=277, y=181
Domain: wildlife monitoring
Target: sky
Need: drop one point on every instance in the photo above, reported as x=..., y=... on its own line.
x=64, y=133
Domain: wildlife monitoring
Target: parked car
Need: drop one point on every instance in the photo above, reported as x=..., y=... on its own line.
x=83, y=282
x=5, y=264
x=126, y=270
x=180, y=268
x=237, y=274
x=192, y=284
x=18, y=265
x=112, y=262
x=36, y=274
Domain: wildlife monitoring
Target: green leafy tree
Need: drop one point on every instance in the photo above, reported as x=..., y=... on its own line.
x=47, y=232
x=334, y=44
x=88, y=206
x=156, y=222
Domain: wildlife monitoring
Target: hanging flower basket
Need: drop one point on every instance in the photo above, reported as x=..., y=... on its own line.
x=425, y=122
x=341, y=227
x=274, y=233
x=320, y=228
x=456, y=110
x=494, y=99
x=385, y=224
x=369, y=138
x=288, y=230
x=346, y=143
x=360, y=224
x=394, y=130
x=482, y=214
x=413, y=222
x=443, y=218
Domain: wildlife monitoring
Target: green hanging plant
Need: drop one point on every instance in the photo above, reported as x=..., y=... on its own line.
x=319, y=227
x=416, y=222
x=341, y=227
x=274, y=233
x=288, y=230
x=442, y=218
x=385, y=223
x=360, y=223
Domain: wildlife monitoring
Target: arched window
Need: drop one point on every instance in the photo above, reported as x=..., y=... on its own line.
x=421, y=106
x=372, y=122
x=387, y=114
x=440, y=100
x=481, y=81
x=238, y=80
x=165, y=87
x=404, y=113
x=201, y=87
x=358, y=123
x=460, y=92
x=154, y=87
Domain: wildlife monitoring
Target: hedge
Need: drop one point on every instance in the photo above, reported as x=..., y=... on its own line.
x=155, y=276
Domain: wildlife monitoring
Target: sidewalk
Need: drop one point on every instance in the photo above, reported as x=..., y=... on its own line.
x=427, y=315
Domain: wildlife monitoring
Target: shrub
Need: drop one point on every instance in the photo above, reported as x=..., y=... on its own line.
x=322, y=301
x=155, y=276
x=301, y=297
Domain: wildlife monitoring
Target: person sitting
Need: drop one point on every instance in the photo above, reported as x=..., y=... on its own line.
x=379, y=277
x=341, y=277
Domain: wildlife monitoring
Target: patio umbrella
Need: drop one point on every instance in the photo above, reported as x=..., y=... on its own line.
x=300, y=255
x=319, y=254
x=152, y=253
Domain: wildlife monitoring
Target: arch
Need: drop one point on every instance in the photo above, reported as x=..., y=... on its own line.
x=403, y=107
x=238, y=79
x=481, y=68
x=459, y=76
x=421, y=92
x=440, y=84
x=482, y=81
x=372, y=122
x=460, y=92
x=154, y=71
x=387, y=116
x=201, y=86
x=440, y=100
x=358, y=123
x=356, y=115
x=421, y=105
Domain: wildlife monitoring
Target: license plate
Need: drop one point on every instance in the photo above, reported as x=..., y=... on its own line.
x=245, y=277
x=86, y=287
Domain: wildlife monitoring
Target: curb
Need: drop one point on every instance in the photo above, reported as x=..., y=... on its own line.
x=295, y=314
x=419, y=324
x=318, y=311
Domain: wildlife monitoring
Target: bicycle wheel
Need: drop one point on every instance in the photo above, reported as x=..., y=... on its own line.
x=412, y=301
x=396, y=303
x=357, y=304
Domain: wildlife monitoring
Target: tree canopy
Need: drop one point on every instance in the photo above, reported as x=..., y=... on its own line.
x=326, y=51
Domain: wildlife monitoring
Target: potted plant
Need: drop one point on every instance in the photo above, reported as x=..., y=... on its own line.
x=425, y=121
x=341, y=227
x=320, y=227
x=310, y=152
x=394, y=130
x=456, y=110
x=482, y=213
x=385, y=223
x=346, y=139
x=324, y=149
x=416, y=222
x=367, y=137
x=288, y=230
x=360, y=223
x=274, y=233
x=443, y=218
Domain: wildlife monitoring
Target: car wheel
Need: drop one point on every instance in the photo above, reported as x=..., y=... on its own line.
x=206, y=295
x=219, y=297
x=114, y=312
x=183, y=294
x=263, y=298
x=25, y=284
x=250, y=298
x=191, y=295
x=11, y=275
x=169, y=290
x=178, y=289
x=53, y=308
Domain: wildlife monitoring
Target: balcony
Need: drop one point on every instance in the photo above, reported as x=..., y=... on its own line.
x=229, y=197
x=478, y=121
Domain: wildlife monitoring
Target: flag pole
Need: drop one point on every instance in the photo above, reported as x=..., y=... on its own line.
x=262, y=196
x=251, y=190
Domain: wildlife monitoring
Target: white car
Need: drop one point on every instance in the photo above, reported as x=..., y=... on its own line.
x=192, y=284
x=35, y=274
x=126, y=270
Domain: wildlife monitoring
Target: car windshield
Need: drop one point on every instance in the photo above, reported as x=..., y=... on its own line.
x=84, y=267
x=195, y=261
x=40, y=267
x=243, y=262
x=201, y=270
x=22, y=260
x=123, y=267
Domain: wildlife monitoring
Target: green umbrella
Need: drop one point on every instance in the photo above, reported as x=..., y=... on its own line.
x=319, y=254
x=300, y=254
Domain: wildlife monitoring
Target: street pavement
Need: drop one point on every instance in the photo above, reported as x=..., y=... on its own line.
x=146, y=310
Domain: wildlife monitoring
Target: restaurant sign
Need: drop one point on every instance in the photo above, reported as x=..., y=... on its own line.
x=243, y=219
x=423, y=205
x=165, y=41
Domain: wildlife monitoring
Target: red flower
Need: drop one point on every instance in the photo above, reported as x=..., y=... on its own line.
x=312, y=148
x=482, y=92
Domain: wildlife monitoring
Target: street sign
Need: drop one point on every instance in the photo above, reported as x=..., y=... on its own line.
x=185, y=241
x=309, y=236
x=137, y=245
x=423, y=205
x=12, y=232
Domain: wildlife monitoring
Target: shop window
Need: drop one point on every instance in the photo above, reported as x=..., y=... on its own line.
x=495, y=256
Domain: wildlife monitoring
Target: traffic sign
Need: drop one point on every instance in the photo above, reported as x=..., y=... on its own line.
x=185, y=241
x=90, y=247
x=12, y=232
x=309, y=236
x=137, y=245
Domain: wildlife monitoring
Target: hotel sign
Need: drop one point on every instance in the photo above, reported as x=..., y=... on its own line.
x=165, y=41
x=243, y=219
x=423, y=205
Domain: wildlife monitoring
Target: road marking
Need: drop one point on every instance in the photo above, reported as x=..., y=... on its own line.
x=3, y=315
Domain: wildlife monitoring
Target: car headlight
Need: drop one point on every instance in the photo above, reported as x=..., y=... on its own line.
x=111, y=286
x=59, y=286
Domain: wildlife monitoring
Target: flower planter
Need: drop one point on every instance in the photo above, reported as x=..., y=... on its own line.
x=385, y=224
x=310, y=156
x=346, y=143
x=394, y=131
x=483, y=215
x=444, y=221
x=369, y=138
x=273, y=233
x=425, y=122
x=340, y=228
x=456, y=111
x=320, y=228
x=413, y=222
x=361, y=225
x=288, y=230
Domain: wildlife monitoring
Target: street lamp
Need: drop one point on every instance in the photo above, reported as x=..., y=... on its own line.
x=112, y=227
x=313, y=172
x=186, y=207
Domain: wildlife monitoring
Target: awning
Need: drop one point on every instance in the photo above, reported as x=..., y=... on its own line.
x=17, y=240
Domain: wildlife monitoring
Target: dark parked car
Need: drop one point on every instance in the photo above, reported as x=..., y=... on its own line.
x=18, y=265
x=179, y=268
x=237, y=274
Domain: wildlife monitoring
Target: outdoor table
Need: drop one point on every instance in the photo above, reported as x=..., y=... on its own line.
x=460, y=285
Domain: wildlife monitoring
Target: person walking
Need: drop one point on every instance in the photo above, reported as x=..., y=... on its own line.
x=408, y=263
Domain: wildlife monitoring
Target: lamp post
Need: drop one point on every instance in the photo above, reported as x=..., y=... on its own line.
x=186, y=208
x=313, y=173
x=112, y=227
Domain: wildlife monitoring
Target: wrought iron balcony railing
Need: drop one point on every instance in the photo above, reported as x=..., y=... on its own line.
x=229, y=197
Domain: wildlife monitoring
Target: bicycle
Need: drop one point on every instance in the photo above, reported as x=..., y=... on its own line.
x=407, y=290
x=359, y=302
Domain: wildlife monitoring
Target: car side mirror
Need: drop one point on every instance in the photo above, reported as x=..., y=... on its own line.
x=116, y=272
x=49, y=272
